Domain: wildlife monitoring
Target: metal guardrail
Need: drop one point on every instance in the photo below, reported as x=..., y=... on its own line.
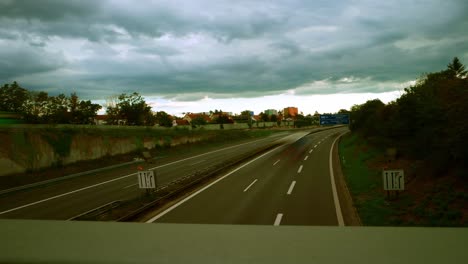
x=41, y=183
x=97, y=211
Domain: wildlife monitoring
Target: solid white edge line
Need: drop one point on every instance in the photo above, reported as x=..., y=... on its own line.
x=250, y=185
x=306, y=157
x=300, y=169
x=278, y=219
x=116, y=179
x=339, y=215
x=64, y=194
x=276, y=162
x=291, y=187
x=206, y=187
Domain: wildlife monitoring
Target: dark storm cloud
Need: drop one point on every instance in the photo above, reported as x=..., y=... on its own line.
x=19, y=60
x=189, y=49
x=47, y=10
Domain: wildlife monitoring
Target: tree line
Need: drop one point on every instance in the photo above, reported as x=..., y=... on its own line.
x=41, y=108
x=428, y=122
x=38, y=107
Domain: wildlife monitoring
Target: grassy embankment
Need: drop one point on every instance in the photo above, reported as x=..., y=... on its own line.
x=428, y=199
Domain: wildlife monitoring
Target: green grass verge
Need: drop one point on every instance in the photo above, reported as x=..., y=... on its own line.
x=437, y=204
x=362, y=181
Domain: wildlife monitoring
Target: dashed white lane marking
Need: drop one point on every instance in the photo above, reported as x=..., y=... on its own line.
x=130, y=186
x=315, y=146
x=120, y=178
x=310, y=151
x=306, y=157
x=300, y=169
x=206, y=187
x=291, y=187
x=276, y=162
x=197, y=162
x=250, y=185
x=278, y=219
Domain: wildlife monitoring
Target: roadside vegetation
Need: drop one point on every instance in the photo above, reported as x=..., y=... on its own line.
x=425, y=133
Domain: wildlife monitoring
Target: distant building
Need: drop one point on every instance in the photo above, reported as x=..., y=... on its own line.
x=271, y=112
x=180, y=122
x=191, y=116
x=216, y=115
x=290, y=112
x=229, y=120
x=100, y=120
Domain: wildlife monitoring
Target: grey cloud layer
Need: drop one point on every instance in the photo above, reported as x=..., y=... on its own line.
x=188, y=49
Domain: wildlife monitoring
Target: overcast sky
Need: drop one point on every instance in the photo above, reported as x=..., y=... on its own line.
x=191, y=56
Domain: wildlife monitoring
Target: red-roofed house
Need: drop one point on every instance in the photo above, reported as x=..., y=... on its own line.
x=191, y=116
x=100, y=119
x=180, y=122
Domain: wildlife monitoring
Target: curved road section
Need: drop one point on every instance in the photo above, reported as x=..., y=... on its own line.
x=291, y=184
x=69, y=198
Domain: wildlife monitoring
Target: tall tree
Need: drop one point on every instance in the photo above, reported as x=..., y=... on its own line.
x=222, y=119
x=273, y=118
x=12, y=97
x=74, y=103
x=130, y=107
x=163, y=119
x=35, y=107
x=86, y=112
x=112, y=110
x=264, y=117
x=456, y=68
x=57, y=107
x=198, y=121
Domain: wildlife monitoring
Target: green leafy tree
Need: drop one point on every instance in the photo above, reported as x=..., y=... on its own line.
x=198, y=121
x=150, y=119
x=273, y=118
x=13, y=97
x=35, y=107
x=112, y=110
x=264, y=117
x=428, y=122
x=163, y=119
x=86, y=112
x=222, y=119
x=365, y=116
x=130, y=108
x=57, y=110
x=73, y=105
x=133, y=108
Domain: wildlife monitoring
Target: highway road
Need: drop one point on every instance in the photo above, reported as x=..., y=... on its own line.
x=289, y=185
x=68, y=198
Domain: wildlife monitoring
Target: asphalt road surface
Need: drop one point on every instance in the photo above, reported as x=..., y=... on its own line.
x=289, y=185
x=68, y=198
